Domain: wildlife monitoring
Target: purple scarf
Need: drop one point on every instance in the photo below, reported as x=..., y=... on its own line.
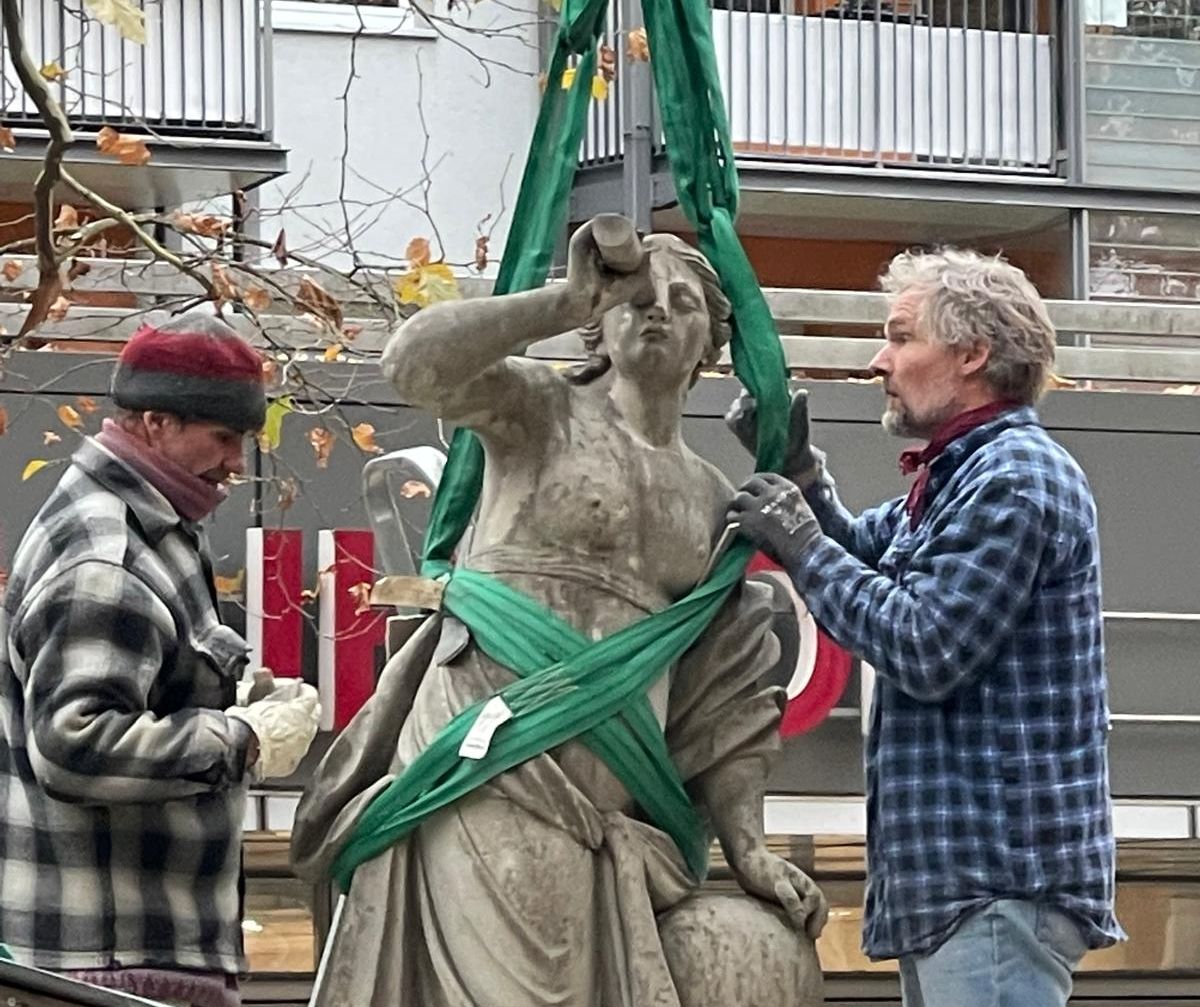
x=192, y=497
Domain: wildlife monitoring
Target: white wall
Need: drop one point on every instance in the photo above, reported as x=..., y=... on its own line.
x=475, y=128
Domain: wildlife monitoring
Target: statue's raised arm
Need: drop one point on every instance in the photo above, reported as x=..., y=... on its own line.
x=458, y=359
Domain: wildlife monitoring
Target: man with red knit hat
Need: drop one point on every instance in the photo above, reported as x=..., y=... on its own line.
x=124, y=755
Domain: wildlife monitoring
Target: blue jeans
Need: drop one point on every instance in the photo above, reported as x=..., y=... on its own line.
x=1011, y=953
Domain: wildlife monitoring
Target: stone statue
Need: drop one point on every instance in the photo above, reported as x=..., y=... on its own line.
x=545, y=886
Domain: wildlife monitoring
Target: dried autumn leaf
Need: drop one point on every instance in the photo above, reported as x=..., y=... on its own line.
x=125, y=148
x=364, y=437
x=58, y=310
x=481, y=252
x=50, y=437
x=256, y=299
x=331, y=352
x=314, y=298
x=52, y=71
x=128, y=19
x=288, y=490
x=270, y=370
x=231, y=588
x=637, y=46
x=69, y=417
x=606, y=64
x=279, y=249
x=427, y=285
x=223, y=286
x=12, y=269
x=86, y=404
x=413, y=488
x=33, y=468
x=7, y=140
x=361, y=593
x=322, y=443
x=67, y=219
x=78, y=268
x=599, y=88
x=3, y=421
x=417, y=252
x=207, y=225
x=351, y=332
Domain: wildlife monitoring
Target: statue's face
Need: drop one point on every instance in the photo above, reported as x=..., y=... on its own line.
x=661, y=337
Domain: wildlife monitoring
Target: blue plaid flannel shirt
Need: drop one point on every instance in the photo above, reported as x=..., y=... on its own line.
x=986, y=758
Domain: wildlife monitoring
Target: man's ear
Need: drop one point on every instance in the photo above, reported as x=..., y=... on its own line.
x=973, y=358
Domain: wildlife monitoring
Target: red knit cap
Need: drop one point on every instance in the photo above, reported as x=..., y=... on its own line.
x=196, y=367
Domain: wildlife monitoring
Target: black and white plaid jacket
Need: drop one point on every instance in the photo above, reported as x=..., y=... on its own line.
x=121, y=795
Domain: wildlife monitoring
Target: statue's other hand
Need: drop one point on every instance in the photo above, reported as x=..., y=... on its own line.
x=803, y=462
x=593, y=287
x=769, y=876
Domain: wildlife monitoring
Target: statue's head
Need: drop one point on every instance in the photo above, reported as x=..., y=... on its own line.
x=667, y=336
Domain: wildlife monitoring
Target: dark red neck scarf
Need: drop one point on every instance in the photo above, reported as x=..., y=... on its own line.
x=919, y=459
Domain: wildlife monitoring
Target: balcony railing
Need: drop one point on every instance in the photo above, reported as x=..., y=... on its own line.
x=200, y=71
x=947, y=84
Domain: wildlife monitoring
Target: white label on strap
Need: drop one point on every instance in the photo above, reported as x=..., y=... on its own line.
x=479, y=739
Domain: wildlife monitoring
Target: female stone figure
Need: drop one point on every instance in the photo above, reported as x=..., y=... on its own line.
x=546, y=885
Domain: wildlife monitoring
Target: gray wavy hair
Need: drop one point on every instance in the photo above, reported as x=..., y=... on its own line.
x=968, y=298
x=720, y=311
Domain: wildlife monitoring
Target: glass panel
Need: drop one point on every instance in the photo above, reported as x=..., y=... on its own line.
x=1144, y=256
x=1142, y=102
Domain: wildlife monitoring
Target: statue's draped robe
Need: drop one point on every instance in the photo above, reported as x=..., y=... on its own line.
x=541, y=887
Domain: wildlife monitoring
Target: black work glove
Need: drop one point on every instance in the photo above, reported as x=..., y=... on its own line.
x=774, y=515
x=803, y=463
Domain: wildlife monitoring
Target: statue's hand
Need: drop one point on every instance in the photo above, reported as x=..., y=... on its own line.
x=593, y=287
x=767, y=875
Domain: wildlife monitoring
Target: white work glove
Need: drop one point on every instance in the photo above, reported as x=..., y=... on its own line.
x=285, y=723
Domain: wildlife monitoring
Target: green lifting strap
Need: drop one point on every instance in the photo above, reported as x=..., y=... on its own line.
x=567, y=686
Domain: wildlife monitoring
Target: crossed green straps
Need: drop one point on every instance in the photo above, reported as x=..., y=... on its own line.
x=568, y=686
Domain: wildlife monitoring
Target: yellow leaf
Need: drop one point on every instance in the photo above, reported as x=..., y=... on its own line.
x=12, y=269
x=256, y=299
x=331, y=352
x=272, y=431
x=52, y=71
x=122, y=15
x=231, y=588
x=364, y=437
x=427, y=285
x=7, y=140
x=322, y=443
x=125, y=148
x=599, y=88
x=33, y=468
x=69, y=417
x=637, y=46
x=417, y=252
x=568, y=78
x=67, y=219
